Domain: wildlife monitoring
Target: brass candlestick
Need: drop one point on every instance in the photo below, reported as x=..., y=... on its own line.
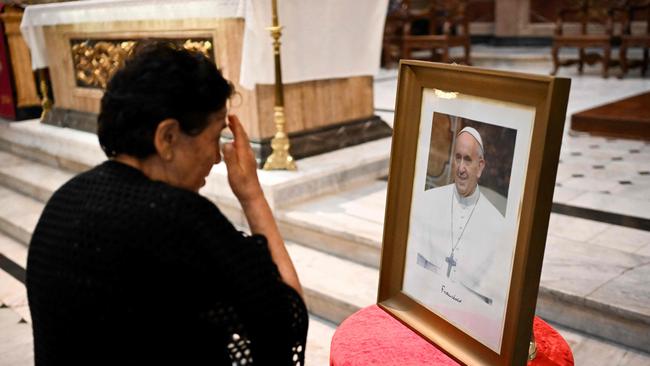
x=532, y=348
x=46, y=102
x=280, y=159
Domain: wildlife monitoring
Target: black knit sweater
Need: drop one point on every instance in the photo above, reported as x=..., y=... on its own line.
x=125, y=270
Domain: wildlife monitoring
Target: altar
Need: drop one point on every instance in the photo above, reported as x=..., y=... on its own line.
x=328, y=54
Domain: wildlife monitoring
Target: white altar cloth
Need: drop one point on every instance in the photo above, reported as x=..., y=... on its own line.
x=321, y=39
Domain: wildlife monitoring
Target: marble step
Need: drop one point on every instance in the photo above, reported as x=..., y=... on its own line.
x=334, y=288
x=597, y=289
x=12, y=291
x=76, y=151
x=31, y=178
x=19, y=214
x=325, y=277
x=348, y=224
x=590, y=350
x=13, y=250
x=54, y=146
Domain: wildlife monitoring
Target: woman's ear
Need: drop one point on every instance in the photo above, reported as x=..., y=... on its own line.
x=165, y=138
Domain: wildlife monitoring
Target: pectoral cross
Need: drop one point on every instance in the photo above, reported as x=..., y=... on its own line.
x=451, y=262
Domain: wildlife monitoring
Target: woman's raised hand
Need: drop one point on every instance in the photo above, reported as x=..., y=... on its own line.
x=241, y=164
x=242, y=177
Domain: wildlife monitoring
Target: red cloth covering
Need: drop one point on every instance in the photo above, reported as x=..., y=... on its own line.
x=7, y=109
x=373, y=337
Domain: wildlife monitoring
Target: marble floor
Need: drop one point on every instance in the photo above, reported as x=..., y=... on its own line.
x=592, y=351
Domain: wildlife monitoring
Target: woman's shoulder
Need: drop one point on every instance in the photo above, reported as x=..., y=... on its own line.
x=112, y=185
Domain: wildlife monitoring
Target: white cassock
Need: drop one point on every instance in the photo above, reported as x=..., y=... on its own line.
x=469, y=288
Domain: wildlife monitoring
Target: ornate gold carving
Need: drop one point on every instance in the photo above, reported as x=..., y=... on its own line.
x=95, y=61
x=205, y=47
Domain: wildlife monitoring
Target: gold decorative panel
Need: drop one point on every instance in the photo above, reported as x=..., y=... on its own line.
x=203, y=46
x=95, y=61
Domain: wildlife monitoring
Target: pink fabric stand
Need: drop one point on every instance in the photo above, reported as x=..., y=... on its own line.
x=372, y=337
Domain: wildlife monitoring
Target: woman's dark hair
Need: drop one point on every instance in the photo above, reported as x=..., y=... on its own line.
x=159, y=81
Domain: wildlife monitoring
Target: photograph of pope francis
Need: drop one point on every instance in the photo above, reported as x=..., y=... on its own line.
x=459, y=266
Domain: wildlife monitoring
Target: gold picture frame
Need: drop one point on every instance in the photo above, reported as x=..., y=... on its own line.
x=534, y=106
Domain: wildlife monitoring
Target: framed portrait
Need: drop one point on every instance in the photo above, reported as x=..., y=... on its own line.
x=473, y=164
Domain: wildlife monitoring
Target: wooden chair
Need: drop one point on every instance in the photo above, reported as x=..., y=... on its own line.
x=411, y=14
x=396, y=17
x=629, y=38
x=589, y=14
x=447, y=27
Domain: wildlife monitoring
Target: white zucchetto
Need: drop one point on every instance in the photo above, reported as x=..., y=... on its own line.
x=477, y=136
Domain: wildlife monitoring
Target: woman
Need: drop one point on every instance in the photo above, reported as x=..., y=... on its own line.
x=130, y=265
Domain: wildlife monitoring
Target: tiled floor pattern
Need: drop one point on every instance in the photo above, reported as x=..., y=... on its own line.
x=606, y=174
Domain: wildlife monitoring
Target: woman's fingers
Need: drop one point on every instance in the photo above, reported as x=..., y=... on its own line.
x=240, y=162
x=238, y=132
x=229, y=156
x=230, y=153
x=244, y=152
